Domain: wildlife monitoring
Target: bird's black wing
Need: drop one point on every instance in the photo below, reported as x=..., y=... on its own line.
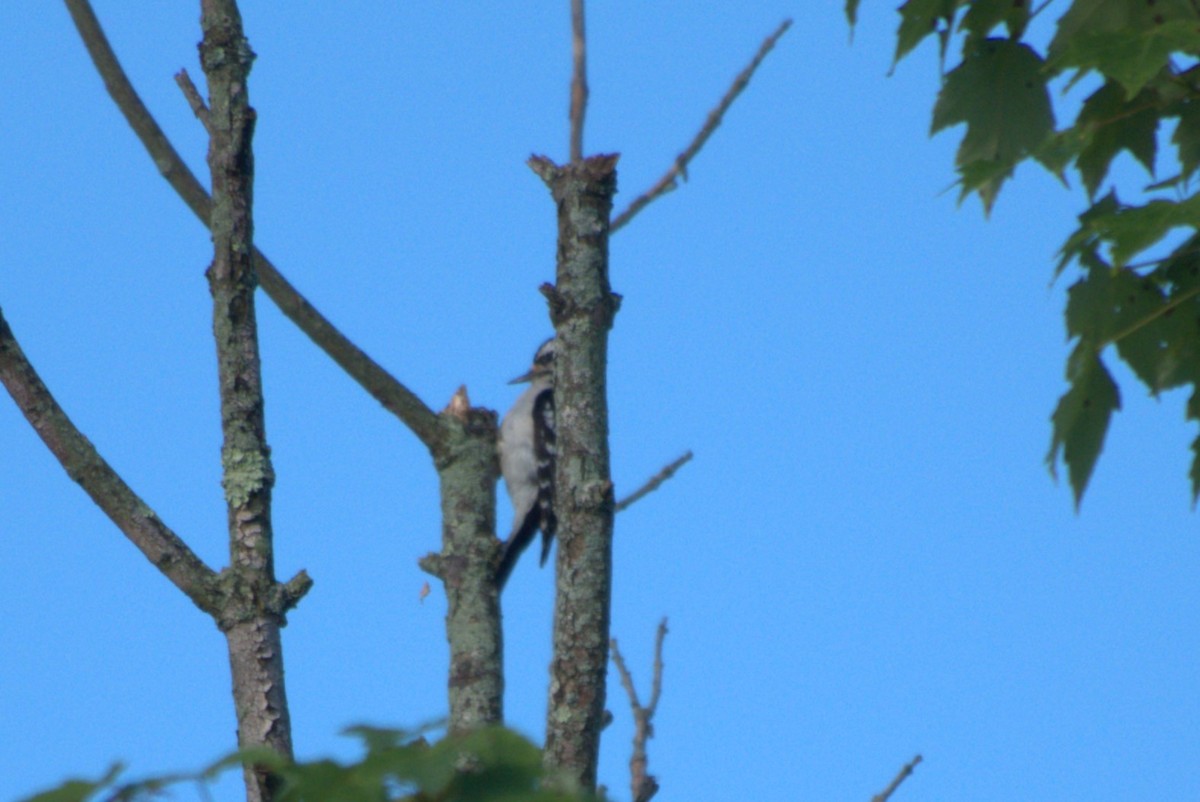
x=545, y=445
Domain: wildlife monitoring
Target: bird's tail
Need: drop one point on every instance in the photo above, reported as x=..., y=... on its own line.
x=511, y=551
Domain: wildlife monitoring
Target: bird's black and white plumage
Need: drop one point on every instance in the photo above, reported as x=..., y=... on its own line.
x=527, y=450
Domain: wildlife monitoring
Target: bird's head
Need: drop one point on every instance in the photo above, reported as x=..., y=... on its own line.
x=543, y=364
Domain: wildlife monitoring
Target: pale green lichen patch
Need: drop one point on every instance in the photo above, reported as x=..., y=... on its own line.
x=245, y=473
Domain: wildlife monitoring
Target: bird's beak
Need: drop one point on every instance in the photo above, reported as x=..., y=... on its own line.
x=524, y=377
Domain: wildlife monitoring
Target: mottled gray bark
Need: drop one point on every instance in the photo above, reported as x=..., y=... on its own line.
x=466, y=565
x=252, y=623
x=582, y=307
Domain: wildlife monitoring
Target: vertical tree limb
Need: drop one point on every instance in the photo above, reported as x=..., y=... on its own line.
x=582, y=307
x=466, y=565
x=579, y=85
x=252, y=627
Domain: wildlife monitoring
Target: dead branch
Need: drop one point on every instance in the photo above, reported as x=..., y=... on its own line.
x=582, y=193
x=579, y=87
x=466, y=566
x=393, y=395
x=247, y=476
x=642, y=784
x=903, y=775
x=678, y=169
x=192, y=95
x=653, y=482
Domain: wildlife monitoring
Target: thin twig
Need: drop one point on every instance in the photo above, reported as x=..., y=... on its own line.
x=669, y=181
x=623, y=671
x=653, y=482
x=903, y=775
x=193, y=99
x=393, y=395
x=642, y=784
x=656, y=680
x=579, y=87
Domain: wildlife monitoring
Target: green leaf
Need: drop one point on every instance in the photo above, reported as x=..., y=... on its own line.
x=1180, y=319
x=999, y=92
x=984, y=15
x=1117, y=305
x=1080, y=421
x=1129, y=42
x=1084, y=241
x=1161, y=345
x=1058, y=150
x=1133, y=58
x=1153, y=319
x=1109, y=124
x=920, y=18
x=852, y=13
x=1087, y=17
x=503, y=763
x=1108, y=301
x=984, y=177
x=327, y=780
x=380, y=738
x=254, y=755
x=1133, y=229
x=78, y=790
x=1127, y=230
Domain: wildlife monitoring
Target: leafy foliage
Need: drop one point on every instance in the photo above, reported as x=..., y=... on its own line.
x=998, y=92
x=1143, y=54
x=76, y=790
x=490, y=765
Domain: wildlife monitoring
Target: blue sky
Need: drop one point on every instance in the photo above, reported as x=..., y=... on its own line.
x=867, y=558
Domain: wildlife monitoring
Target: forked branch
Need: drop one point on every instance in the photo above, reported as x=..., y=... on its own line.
x=678, y=169
x=643, y=785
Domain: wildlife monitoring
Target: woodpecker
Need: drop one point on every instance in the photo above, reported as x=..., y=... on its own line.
x=527, y=446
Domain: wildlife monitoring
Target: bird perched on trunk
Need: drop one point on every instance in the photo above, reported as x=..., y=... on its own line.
x=527, y=446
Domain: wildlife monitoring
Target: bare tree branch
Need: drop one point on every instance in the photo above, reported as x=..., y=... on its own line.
x=642, y=784
x=454, y=439
x=903, y=775
x=393, y=395
x=165, y=157
x=252, y=630
x=466, y=566
x=165, y=550
x=582, y=309
x=653, y=482
x=193, y=98
x=669, y=181
x=579, y=87
x=656, y=681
